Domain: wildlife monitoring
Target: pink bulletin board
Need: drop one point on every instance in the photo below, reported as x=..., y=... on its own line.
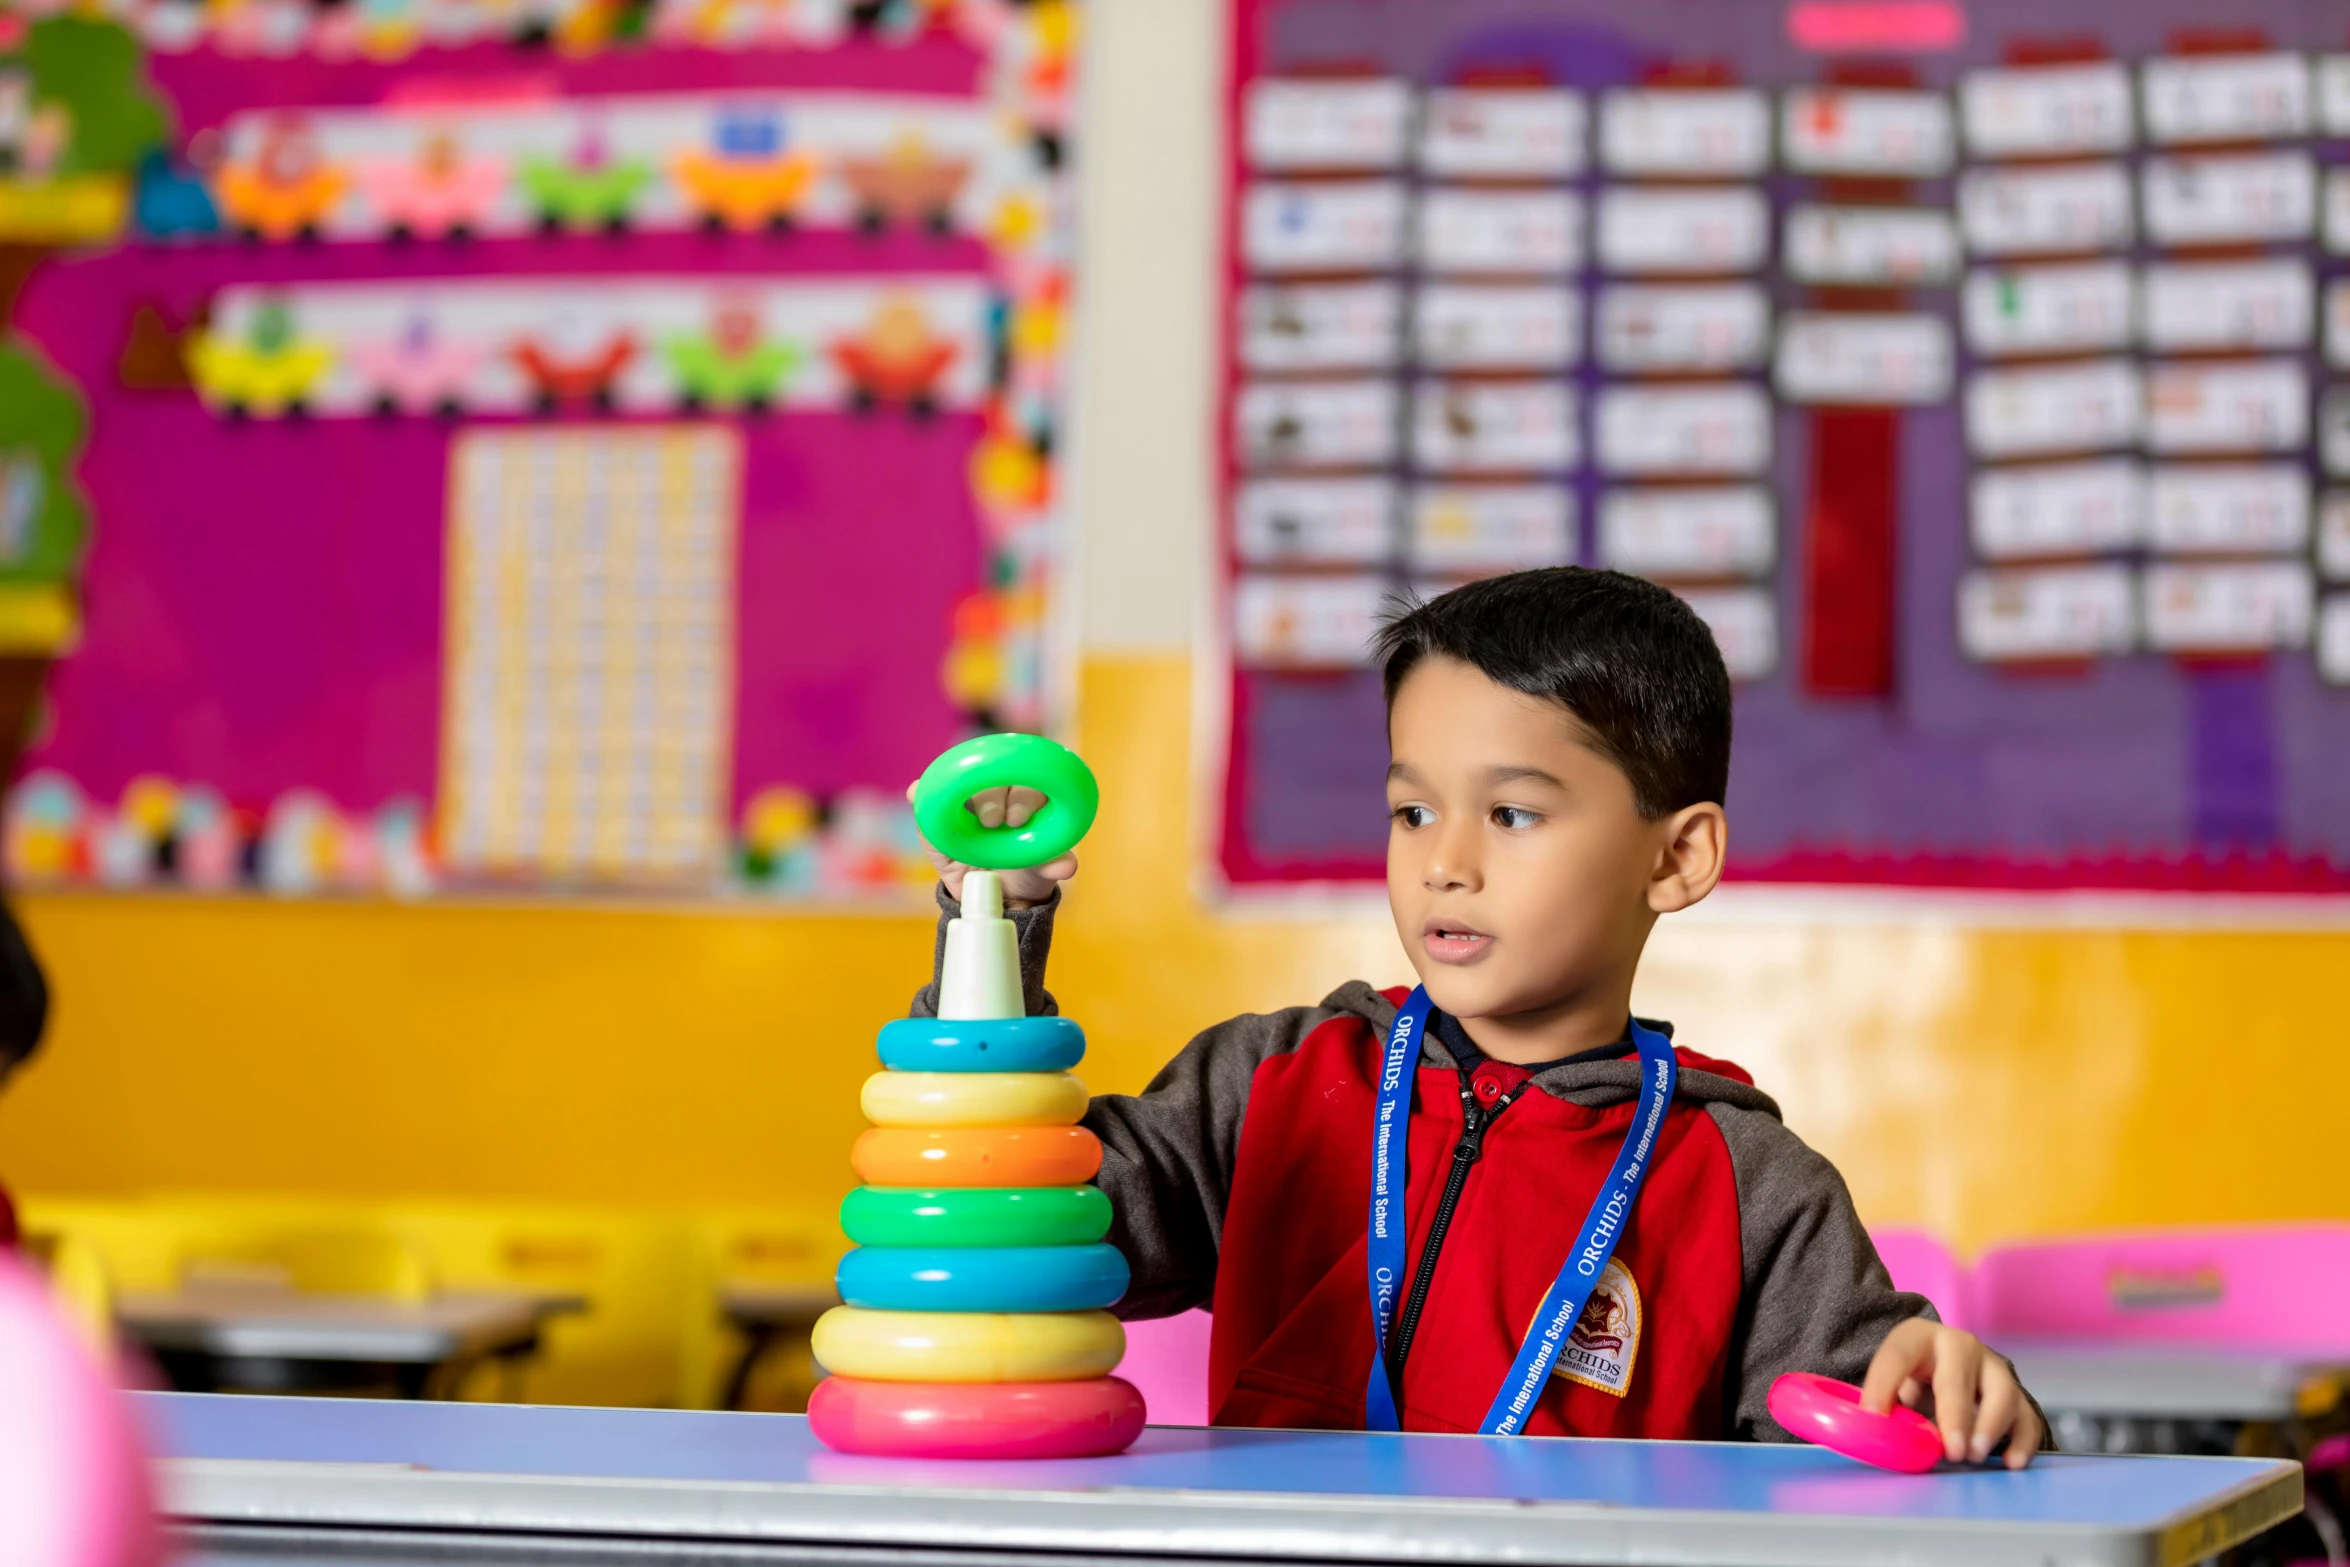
x=642, y=417
x=1978, y=369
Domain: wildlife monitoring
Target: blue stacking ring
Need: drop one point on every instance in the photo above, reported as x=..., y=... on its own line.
x=996, y=1044
x=983, y=1278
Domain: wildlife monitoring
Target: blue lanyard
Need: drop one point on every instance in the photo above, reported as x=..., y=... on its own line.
x=1603, y=1226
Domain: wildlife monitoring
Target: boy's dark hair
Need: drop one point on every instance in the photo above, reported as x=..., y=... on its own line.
x=1625, y=656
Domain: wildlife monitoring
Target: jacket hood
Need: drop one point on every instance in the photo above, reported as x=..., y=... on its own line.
x=1592, y=1084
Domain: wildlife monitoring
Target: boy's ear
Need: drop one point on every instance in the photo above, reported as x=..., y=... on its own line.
x=1691, y=845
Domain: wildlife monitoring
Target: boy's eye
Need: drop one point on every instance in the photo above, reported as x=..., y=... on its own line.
x=1513, y=817
x=1414, y=815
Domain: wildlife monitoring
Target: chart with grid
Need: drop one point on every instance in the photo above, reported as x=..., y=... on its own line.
x=589, y=653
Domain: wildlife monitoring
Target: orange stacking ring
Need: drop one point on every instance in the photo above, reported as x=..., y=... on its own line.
x=976, y=1156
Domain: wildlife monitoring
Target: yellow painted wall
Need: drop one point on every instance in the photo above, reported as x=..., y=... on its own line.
x=1985, y=1082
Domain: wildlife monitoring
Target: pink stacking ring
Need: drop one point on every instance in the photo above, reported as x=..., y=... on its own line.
x=1087, y=1419
x=1826, y=1411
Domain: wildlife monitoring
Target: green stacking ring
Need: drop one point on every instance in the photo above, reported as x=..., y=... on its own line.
x=992, y=762
x=976, y=1216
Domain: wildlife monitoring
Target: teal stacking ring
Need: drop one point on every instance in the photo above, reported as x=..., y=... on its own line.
x=996, y=1044
x=976, y=1216
x=993, y=762
x=983, y=1278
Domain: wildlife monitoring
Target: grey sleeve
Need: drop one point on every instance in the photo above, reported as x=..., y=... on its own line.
x=1814, y=1296
x=1034, y=927
x=1168, y=1154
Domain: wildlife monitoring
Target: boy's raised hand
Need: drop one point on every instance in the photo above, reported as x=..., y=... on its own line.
x=1010, y=806
x=1971, y=1391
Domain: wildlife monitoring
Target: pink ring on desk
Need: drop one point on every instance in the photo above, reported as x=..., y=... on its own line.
x=1826, y=1411
x=1086, y=1419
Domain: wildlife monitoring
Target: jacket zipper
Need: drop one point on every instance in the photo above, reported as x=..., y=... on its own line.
x=1475, y=1122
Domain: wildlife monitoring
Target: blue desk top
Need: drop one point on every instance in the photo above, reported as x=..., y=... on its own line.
x=1754, y=1484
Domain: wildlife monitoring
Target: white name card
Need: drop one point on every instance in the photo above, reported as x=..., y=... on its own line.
x=1306, y=622
x=1501, y=233
x=2233, y=608
x=1866, y=130
x=1878, y=360
x=2332, y=92
x=2055, y=509
x=2046, y=111
x=2262, y=406
x=1326, y=125
x=1504, y=133
x=1352, y=226
x=1745, y=624
x=1497, y=527
x=1316, y=424
x=2059, y=308
x=2226, y=97
x=2057, y=408
x=2333, y=536
x=2333, y=640
x=1685, y=132
x=1465, y=326
x=2045, y=212
x=2242, y=198
x=2205, y=306
x=2045, y=614
x=1494, y=427
x=2228, y=509
x=1683, y=326
x=1891, y=247
x=1670, y=431
x=1278, y=521
x=1326, y=326
x=1687, y=532
x=2231, y=508
x=1660, y=230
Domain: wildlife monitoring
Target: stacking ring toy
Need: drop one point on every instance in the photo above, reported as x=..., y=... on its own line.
x=991, y=762
x=976, y=1156
x=962, y=1420
x=956, y=1346
x=1823, y=1410
x=976, y=1216
x=973, y=1099
x=996, y=1044
x=983, y=1278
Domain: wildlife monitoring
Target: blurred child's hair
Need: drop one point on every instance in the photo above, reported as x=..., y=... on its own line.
x=1625, y=656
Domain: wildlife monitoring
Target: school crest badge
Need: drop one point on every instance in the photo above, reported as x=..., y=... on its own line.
x=1605, y=1341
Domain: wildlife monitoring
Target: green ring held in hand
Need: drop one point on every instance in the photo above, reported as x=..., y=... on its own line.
x=994, y=762
x=976, y=1216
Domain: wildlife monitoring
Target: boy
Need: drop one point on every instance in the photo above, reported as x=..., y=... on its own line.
x=1561, y=746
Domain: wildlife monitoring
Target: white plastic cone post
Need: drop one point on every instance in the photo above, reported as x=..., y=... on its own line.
x=981, y=975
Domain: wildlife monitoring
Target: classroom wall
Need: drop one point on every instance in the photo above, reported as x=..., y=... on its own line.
x=1985, y=1081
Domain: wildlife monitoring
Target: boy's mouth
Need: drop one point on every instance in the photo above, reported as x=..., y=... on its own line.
x=1450, y=941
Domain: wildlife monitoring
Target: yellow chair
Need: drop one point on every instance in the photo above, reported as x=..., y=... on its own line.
x=767, y=1275
x=629, y=1278
x=78, y=1278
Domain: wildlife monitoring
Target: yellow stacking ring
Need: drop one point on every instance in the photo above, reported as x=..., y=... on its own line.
x=973, y=1099
x=933, y=1156
x=960, y=1346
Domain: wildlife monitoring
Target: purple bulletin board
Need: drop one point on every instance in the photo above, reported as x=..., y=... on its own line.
x=843, y=249
x=1930, y=693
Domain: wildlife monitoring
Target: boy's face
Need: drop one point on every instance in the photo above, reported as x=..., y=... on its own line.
x=1522, y=876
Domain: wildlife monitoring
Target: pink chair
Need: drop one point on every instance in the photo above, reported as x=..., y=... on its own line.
x=2270, y=1286
x=1920, y=1263
x=74, y=1490
x=1167, y=1358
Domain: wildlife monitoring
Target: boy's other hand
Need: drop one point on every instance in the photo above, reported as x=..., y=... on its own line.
x=1969, y=1390
x=1010, y=806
